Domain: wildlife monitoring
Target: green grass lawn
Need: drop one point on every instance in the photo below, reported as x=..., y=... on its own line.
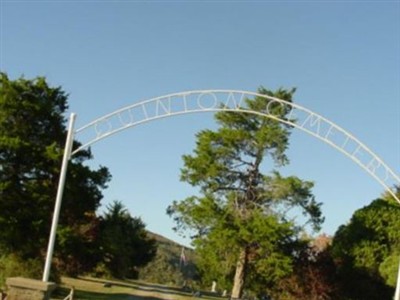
x=92, y=288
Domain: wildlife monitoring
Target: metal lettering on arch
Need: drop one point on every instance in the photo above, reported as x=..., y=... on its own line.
x=231, y=100
x=213, y=101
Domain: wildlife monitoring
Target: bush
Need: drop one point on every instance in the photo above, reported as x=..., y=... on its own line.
x=13, y=266
x=101, y=271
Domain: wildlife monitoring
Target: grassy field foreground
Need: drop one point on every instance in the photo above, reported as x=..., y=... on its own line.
x=92, y=288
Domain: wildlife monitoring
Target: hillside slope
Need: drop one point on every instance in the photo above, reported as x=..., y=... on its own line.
x=168, y=267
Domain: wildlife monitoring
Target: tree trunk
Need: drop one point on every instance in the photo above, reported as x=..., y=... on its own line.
x=238, y=283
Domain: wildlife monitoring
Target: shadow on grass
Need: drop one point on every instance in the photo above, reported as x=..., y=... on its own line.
x=143, y=286
x=150, y=287
x=62, y=292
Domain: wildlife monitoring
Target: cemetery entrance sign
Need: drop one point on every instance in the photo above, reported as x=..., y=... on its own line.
x=214, y=101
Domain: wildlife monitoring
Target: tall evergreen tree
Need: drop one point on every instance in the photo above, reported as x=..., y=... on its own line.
x=124, y=242
x=239, y=218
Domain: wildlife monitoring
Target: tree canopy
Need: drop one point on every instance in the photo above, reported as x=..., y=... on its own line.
x=368, y=250
x=32, y=138
x=240, y=218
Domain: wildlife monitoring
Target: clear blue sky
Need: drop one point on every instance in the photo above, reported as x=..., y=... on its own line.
x=344, y=58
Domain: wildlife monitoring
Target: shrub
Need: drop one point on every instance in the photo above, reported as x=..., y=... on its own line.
x=12, y=266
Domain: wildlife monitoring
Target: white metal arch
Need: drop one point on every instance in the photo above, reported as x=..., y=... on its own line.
x=214, y=101
x=233, y=100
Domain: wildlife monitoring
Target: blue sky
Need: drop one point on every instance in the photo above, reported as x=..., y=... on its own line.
x=343, y=57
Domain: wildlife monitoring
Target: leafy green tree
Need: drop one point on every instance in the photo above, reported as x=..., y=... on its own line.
x=78, y=246
x=32, y=138
x=367, y=250
x=313, y=276
x=241, y=213
x=124, y=242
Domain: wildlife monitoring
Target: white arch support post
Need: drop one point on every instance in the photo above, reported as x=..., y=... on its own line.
x=397, y=292
x=67, y=154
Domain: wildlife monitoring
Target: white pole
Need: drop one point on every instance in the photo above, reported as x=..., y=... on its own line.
x=397, y=294
x=60, y=190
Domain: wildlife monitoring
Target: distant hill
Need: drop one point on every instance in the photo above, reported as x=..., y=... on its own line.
x=162, y=239
x=168, y=267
